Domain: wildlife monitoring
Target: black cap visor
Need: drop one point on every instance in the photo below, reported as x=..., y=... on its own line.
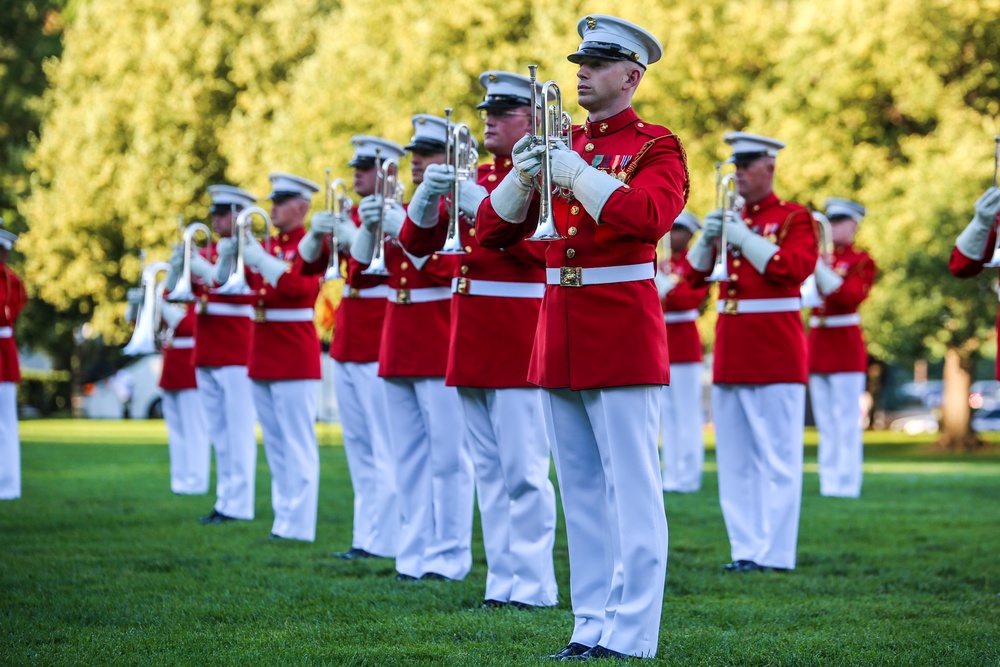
x=604, y=51
x=426, y=146
x=503, y=102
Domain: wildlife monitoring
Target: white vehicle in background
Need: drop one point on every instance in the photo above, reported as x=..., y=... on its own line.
x=106, y=399
x=135, y=385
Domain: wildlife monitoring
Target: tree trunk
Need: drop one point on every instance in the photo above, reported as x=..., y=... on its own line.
x=956, y=427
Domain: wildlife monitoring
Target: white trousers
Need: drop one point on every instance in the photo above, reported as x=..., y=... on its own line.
x=187, y=440
x=682, y=446
x=517, y=504
x=361, y=402
x=759, y=452
x=10, y=443
x=227, y=399
x=836, y=406
x=433, y=477
x=287, y=413
x=604, y=445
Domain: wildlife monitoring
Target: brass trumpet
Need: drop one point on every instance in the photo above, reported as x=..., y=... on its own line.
x=728, y=200
x=184, y=291
x=338, y=202
x=237, y=283
x=143, y=339
x=388, y=187
x=463, y=158
x=557, y=126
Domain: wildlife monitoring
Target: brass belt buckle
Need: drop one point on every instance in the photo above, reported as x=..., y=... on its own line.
x=731, y=307
x=202, y=307
x=822, y=322
x=463, y=286
x=403, y=297
x=259, y=315
x=353, y=293
x=570, y=276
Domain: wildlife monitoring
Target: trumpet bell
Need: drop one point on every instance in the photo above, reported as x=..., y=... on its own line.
x=546, y=231
x=811, y=298
x=719, y=272
x=452, y=246
x=235, y=286
x=143, y=339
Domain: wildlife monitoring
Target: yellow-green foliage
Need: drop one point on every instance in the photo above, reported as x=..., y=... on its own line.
x=891, y=102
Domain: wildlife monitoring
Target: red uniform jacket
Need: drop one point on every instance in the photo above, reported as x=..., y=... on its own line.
x=491, y=336
x=357, y=331
x=766, y=348
x=220, y=340
x=683, y=339
x=607, y=335
x=13, y=297
x=415, y=335
x=842, y=349
x=967, y=267
x=284, y=350
x=178, y=366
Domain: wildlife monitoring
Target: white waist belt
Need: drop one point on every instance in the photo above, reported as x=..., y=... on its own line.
x=741, y=307
x=284, y=315
x=183, y=343
x=6, y=332
x=227, y=309
x=419, y=295
x=831, y=321
x=497, y=288
x=377, y=292
x=575, y=276
x=680, y=316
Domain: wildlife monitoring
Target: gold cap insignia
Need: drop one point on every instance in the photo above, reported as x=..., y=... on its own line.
x=493, y=78
x=591, y=23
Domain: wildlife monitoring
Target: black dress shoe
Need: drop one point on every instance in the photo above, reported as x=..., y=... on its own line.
x=494, y=604
x=434, y=576
x=214, y=517
x=743, y=566
x=354, y=554
x=275, y=537
x=571, y=651
x=524, y=606
x=599, y=652
x=405, y=577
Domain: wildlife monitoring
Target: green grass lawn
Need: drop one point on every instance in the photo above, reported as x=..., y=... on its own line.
x=101, y=565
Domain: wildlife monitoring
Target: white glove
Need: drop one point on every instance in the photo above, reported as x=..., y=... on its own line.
x=737, y=231
x=527, y=160
x=972, y=241
x=665, y=282
x=423, y=208
x=712, y=226
x=270, y=267
x=700, y=255
x=311, y=245
x=470, y=196
x=827, y=280
x=363, y=246
x=170, y=313
x=591, y=187
x=202, y=268
x=439, y=178
x=392, y=219
x=176, y=263
x=369, y=211
x=345, y=232
x=226, y=247
x=511, y=198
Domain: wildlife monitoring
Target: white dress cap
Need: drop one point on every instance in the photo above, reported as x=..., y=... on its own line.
x=6, y=238
x=612, y=38
x=748, y=146
x=837, y=207
x=688, y=221
x=506, y=90
x=365, y=148
x=287, y=186
x=224, y=197
x=429, y=134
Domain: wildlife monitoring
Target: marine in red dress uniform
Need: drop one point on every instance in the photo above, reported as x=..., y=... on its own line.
x=975, y=246
x=682, y=436
x=600, y=349
x=284, y=361
x=489, y=363
x=221, y=344
x=837, y=356
x=354, y=348
x=433, y=467
x=760, y=362
x=13, y=298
